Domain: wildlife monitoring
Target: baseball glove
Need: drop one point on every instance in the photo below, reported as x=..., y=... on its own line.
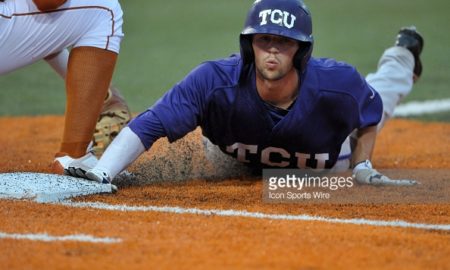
x=115, y=115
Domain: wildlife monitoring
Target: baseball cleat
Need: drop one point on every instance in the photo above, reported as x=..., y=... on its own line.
x=409, y=38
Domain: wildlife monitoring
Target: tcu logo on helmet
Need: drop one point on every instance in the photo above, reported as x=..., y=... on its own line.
x=276, y=16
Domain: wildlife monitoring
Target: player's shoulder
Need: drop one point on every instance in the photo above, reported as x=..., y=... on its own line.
x=233, y=61
x=229, y=67
x=218, y=73
x=334, y=75
x=330, y=66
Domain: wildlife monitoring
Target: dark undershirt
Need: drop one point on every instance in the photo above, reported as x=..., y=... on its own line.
x=277, y=113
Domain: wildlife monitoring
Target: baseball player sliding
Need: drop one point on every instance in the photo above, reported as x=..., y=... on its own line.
x=32, y=30
x=274, y=105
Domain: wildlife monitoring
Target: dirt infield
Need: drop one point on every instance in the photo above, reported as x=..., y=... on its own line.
x=172, y=240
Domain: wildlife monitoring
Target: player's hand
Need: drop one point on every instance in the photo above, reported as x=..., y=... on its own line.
x=365, y=174
x=373, y=177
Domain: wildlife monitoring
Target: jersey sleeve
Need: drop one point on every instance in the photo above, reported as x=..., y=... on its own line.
x=361, y=105
x=179, y=111
x=148, y=128
x=369, y=103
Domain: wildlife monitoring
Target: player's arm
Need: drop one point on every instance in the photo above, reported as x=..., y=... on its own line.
x=363, y=171
x=365, y=142
x=45, y=5
x=123, y=151
x=132, y=142
x=370, y=111
x=177, y=113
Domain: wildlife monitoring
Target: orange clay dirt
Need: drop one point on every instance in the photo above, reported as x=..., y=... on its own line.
x=169, y=175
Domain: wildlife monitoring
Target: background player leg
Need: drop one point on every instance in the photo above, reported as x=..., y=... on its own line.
x=393, y=79
x=398, y=68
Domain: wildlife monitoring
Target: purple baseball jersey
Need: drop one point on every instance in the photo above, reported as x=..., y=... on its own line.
x=333, y=100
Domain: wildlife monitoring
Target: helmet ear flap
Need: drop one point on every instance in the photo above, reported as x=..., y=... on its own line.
x=247, y=56
x=302, y=56
x=246, y=49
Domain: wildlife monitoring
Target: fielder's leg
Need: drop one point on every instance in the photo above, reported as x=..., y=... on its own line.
x=89, y=75
x=90, y=68
x=59, y=62
x=114, y=115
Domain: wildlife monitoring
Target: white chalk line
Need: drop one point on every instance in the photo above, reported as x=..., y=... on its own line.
x=422, y=107
x=49, y=238
x=258, y=215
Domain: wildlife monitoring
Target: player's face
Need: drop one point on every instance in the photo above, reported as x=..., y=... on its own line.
x=273, y=55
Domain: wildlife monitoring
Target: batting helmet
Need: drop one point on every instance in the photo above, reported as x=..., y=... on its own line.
x=287, y=18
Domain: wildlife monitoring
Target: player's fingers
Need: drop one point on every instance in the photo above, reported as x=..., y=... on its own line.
x=373, y=177
x=402, y=182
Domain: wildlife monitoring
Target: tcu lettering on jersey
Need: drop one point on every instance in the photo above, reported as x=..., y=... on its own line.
x=278, y=17
x=243, y=150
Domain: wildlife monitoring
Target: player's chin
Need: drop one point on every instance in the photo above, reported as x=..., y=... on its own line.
x=272, y=75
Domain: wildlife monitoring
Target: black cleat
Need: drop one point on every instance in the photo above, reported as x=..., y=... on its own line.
x=409, y=38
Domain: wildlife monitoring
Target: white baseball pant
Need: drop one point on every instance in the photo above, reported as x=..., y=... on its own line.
x=28, y=35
